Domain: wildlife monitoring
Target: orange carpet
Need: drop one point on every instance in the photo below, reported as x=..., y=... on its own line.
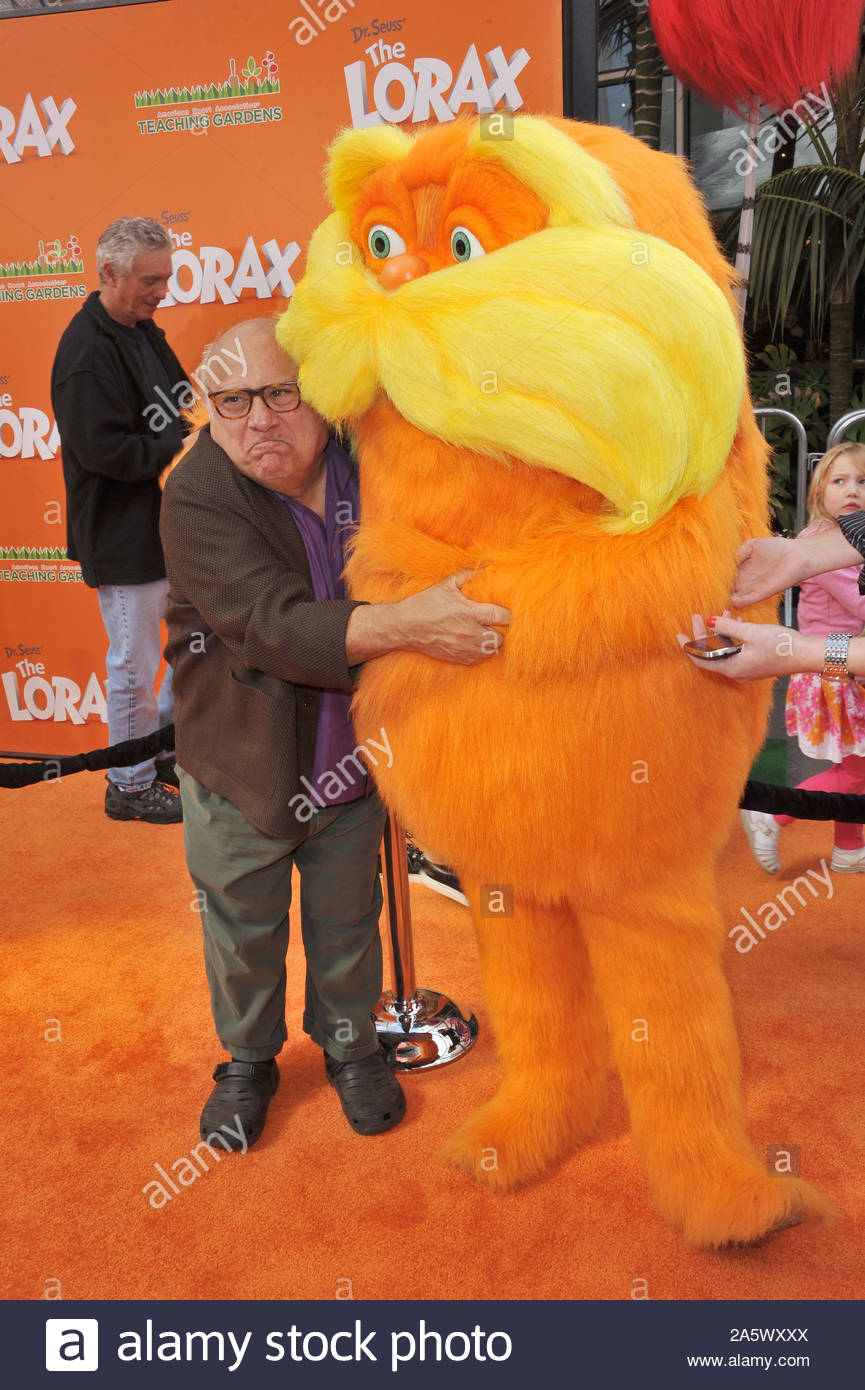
x=108, y=1049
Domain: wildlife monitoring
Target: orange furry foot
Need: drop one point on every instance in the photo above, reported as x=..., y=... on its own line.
x=509, y=1142
x=743, y=1211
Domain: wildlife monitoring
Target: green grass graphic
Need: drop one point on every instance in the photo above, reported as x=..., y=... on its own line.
x=32, y=552
x=16, y=270
x=174, y=96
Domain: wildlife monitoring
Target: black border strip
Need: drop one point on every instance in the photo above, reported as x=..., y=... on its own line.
x=580, y=59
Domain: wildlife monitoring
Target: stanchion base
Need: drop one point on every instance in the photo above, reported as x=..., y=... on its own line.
x=425, y=1031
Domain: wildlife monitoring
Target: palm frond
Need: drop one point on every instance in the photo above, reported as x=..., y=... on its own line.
x=616, y=21
x=808, y=236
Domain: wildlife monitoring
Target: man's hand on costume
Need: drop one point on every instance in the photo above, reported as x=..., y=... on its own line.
x=439, y=622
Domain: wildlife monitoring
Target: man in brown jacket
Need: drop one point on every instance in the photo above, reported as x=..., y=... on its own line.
x=265, y=648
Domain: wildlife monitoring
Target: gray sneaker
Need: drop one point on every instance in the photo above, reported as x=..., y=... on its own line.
x=154, y=803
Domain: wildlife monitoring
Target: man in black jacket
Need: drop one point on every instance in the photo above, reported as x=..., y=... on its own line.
x=115, y=386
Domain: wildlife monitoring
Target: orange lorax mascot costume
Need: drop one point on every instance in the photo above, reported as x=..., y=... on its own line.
x=528, y=330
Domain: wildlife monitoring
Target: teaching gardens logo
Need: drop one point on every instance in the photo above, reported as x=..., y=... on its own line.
x=200, y=108
x=45, y=275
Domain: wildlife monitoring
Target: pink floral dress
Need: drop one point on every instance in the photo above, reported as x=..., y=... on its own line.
x=828, y=717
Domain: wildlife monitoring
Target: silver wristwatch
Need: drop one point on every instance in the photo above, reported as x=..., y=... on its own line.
x=835, y=658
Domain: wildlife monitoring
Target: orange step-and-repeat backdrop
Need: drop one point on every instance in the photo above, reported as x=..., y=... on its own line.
x=214, y=119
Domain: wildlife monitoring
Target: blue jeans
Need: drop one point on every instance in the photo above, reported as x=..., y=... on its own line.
x=131, y=614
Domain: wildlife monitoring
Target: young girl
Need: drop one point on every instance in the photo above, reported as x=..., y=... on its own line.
x=828, y=716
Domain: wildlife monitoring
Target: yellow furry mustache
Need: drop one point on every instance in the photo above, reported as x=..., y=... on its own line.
x=604, y=354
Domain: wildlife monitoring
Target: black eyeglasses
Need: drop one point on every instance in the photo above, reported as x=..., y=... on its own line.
x=281, y=396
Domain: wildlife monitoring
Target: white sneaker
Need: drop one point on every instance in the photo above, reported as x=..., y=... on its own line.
x=847, y=861
x=442, y=880
x=763, y=833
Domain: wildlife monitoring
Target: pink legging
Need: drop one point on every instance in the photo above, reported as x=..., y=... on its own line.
x=847, y=777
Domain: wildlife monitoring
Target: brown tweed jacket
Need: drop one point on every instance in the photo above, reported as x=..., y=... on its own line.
x=249, y=644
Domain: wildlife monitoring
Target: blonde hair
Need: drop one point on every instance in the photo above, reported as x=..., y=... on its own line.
x=817, y=488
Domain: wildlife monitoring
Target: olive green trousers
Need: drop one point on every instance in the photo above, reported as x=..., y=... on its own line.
x=244, y=881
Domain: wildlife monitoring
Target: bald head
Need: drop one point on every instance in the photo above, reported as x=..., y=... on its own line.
x=280, y=449
x=226, y=357
x=260, y=331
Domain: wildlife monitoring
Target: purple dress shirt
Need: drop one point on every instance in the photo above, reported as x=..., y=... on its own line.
x=336, y=775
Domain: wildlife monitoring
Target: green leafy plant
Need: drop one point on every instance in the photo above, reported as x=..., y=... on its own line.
x=857, y=402
x=779, y=379
x=809, y=231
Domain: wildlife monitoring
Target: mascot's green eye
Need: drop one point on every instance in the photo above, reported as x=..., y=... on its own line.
x=465, y=245
x=383, y=241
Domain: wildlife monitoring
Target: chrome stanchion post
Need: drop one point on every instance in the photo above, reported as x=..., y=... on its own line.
x=420, y=1027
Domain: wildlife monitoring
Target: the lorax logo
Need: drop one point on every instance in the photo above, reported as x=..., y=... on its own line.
x=26, y=431
x=428, y=90
x=212, y=271
x=32, y=694
x=46, y=135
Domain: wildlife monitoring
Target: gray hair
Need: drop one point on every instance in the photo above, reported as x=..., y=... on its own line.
x=121, y=242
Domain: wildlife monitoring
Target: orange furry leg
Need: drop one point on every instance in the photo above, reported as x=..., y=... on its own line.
x=655, y=953
x=552, y=1044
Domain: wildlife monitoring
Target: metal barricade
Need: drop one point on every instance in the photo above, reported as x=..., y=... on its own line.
x=763, y=413
x=840, y=428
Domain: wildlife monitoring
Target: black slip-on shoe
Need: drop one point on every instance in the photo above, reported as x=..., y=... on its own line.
x=234, y=1115
x=370, y=1095
x=154, y=803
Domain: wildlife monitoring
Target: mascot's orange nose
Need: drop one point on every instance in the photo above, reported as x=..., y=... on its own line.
x=398, y=270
